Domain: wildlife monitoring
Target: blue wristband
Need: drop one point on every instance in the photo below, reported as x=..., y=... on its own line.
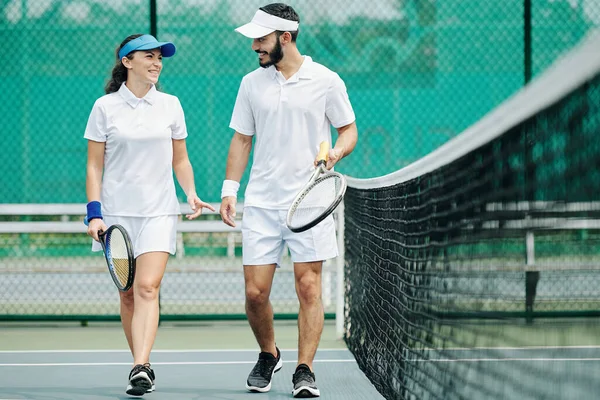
x=94, y=210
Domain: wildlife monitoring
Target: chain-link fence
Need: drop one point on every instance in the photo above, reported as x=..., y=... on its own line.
x=418, y=72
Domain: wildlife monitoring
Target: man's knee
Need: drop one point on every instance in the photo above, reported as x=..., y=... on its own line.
x=308, y=288
x=256, y=296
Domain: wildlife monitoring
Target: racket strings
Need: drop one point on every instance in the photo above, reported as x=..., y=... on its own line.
x=119, y=256
x=318, y=198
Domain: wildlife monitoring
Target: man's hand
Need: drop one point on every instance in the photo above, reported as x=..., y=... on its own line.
x=227, y=210
x=335, y=155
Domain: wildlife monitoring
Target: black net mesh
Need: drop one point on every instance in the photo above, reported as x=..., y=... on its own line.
x=451, y=274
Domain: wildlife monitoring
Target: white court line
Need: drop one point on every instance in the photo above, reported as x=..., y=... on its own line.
x=545, y=359
x=318, y=351
x=160, y=363
x=511, y=348
x=503, y=359
x=155, y=351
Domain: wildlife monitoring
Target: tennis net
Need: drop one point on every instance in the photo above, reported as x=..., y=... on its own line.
x=458, y=266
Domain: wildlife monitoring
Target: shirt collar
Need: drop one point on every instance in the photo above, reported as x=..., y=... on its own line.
x=133, y=101
x=304, y=72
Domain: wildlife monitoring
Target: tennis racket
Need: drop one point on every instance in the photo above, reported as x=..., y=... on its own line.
x=319, y=197
x=118, y=253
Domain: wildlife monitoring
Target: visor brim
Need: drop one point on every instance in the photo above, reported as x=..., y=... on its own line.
x=254, y=31
x=167, y=49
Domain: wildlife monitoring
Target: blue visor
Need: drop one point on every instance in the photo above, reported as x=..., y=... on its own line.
x=147, y=42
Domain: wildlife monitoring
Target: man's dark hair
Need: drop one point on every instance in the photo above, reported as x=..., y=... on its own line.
x=282, y=11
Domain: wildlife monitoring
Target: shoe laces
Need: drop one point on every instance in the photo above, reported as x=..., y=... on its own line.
x=137, y=368
x=148, y=367
x=303, y=374
x=263, y=367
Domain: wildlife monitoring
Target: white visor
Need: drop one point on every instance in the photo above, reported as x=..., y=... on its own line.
x=263, y=24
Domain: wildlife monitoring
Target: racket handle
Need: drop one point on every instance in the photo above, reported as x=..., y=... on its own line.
x=323, y=152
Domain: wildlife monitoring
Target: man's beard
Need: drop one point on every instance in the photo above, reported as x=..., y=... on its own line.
x=275, y=56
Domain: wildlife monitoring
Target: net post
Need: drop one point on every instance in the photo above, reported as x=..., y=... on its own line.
x=527, y=41
x=340, y=261
x=531, y=280
x=153, y=18
x=531, y=276
x=530, y=248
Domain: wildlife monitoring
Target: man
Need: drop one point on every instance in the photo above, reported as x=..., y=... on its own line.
x=287, y=105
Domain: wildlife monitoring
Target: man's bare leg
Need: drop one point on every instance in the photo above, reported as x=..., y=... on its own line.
x=311, y=315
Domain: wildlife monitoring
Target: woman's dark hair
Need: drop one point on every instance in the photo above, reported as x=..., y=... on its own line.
x=119, y=72
x=282, y=11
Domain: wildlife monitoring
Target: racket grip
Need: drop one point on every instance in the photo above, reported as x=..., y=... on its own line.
x=323, y=151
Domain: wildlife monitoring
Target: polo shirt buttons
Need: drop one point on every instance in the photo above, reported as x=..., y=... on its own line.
x=283, y=95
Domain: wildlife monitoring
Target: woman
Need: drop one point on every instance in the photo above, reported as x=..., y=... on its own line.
x=136, y=139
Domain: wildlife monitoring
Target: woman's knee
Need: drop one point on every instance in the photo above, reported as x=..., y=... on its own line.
x=147, y=290
x=150, y=270
x=126, y=297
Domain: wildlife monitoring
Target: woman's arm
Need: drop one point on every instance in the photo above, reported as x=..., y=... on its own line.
x=185, y=176
x=93, y=182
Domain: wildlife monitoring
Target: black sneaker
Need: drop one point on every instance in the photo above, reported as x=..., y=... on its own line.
x=152, y=378
x=140, y=380
x=304, y=382
x=260, y=377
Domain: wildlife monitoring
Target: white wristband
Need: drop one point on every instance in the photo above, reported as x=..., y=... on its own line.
x=230, y=188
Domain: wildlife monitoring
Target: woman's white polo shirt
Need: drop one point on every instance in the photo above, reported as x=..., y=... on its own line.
x=138, y=173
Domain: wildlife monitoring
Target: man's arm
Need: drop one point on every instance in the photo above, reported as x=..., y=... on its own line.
x=237, y=160
x=345, y=143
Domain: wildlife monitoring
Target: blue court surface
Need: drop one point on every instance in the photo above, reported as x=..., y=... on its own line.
x=211, y=360
x=180, y=374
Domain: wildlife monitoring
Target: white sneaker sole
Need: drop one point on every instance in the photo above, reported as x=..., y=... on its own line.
x=306, y=391
x=268, y=387
x=139, y=385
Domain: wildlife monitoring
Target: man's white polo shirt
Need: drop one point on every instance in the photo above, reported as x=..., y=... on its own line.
x=289, y=120
x=138, y=173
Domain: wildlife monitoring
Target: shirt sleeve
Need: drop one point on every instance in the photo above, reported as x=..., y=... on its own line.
x=95, y=129
x=242, y=119
x=338, y=108
x=178, y=127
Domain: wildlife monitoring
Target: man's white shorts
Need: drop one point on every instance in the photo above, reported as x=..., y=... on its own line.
x=264, y=234
x=147, y=234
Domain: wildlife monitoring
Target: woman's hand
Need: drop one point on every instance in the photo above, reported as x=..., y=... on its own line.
x=197, y=205
x=96, y=225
